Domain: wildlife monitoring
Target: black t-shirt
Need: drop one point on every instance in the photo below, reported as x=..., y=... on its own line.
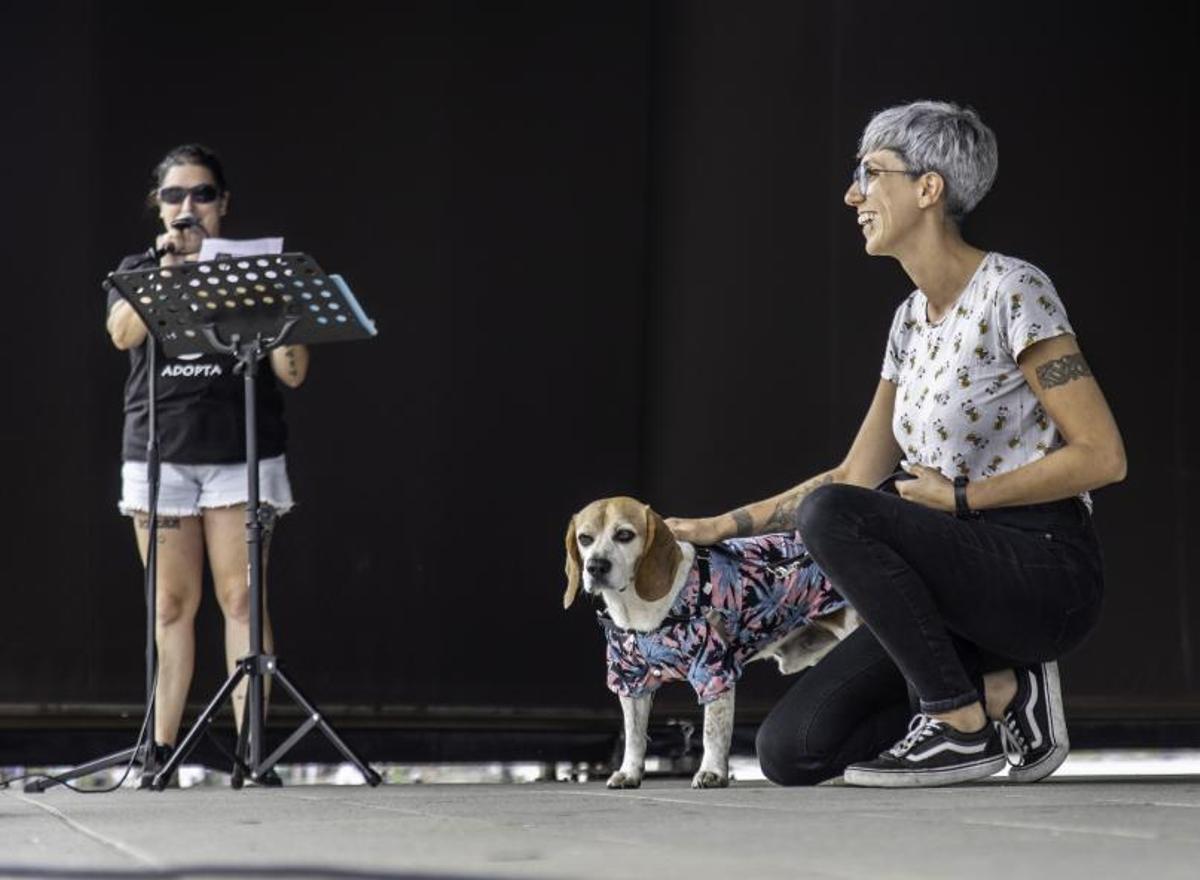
x=201, y=403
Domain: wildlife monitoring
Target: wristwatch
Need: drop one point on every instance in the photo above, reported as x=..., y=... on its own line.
x=961, y=510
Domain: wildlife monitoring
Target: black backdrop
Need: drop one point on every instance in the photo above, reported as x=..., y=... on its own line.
x=625, y=268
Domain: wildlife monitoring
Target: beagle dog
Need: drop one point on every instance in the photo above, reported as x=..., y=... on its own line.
x=678, y=612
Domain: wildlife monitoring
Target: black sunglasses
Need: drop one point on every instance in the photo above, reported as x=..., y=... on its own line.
x=201, y=193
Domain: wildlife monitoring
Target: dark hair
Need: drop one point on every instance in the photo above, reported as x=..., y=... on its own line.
x=187, y=154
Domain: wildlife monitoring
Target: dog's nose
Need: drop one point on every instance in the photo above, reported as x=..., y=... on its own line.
x=598, y=567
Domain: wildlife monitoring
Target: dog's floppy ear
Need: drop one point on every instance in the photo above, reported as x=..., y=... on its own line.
x=574, y=564
x=660, y=556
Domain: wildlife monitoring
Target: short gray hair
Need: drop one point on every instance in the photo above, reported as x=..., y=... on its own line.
x=942, y=137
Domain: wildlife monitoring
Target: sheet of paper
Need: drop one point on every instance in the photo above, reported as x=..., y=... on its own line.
x=214, y=248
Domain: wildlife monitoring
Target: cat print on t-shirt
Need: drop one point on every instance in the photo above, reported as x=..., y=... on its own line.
x=962, y=403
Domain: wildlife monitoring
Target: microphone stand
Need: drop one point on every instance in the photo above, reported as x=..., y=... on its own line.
x=141, y=753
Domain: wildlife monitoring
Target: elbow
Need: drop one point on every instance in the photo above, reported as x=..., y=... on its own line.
x=126, y=334
x=1117, y=465
x=1117, y=468
x=1110, y=466
x=1101, y=462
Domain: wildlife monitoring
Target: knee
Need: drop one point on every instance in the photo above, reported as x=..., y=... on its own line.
x=234, y=599
x=822, y=509
x=172, y=607
x=784, y=762
x=771, y=751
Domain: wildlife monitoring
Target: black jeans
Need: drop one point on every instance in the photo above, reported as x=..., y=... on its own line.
x=949, y=597
x=849, y=707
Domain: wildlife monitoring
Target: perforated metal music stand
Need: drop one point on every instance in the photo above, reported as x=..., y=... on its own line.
x=246, y=306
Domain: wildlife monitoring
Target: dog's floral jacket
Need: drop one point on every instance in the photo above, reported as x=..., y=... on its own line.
x=740, y=595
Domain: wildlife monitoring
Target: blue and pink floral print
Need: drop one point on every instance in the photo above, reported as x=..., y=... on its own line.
x=740, y=596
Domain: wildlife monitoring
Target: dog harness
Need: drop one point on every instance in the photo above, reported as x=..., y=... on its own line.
x=740, y=595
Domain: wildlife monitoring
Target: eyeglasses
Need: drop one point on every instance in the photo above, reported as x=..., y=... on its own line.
x=862, y=175
x=201, y=193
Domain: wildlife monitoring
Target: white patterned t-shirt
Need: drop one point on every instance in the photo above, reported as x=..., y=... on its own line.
x=962, y=403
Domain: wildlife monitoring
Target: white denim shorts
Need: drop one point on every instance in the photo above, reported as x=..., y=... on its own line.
x=187, y=489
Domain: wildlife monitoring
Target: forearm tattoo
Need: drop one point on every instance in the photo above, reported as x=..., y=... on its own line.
x=783, y=517
x=1063, y=370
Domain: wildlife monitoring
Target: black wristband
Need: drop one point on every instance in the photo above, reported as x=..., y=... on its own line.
x=961, y=510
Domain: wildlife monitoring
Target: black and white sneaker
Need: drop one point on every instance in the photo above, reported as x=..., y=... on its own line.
x=1034, y=729
x=932, y=753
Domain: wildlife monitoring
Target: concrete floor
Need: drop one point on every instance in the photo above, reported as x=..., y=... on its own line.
x=1061, y=828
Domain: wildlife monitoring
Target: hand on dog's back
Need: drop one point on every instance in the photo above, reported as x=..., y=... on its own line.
x=701, y=532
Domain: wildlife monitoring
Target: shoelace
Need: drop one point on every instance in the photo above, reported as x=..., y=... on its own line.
x=920, y=728
x=1016, y=747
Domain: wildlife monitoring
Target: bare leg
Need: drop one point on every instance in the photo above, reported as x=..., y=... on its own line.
x=177, y=593
x=966, y=719
x=999, y=689
x=228, y=555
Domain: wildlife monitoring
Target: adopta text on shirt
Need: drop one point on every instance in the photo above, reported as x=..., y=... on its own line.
x=190, y=370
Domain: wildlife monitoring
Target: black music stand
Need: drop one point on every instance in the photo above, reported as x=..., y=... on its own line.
x=246, y=306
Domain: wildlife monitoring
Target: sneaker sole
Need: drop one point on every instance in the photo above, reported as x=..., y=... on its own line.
x=1053, y=759
x=924, y=778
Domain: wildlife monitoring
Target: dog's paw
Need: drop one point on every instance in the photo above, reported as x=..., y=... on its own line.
x=624, y=780
x=709, y=779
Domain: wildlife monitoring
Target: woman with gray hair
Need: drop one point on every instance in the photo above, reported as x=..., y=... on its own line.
x=980, y=567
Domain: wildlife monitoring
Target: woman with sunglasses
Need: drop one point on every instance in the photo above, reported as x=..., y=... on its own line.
x=981, y=567
x=201, y=438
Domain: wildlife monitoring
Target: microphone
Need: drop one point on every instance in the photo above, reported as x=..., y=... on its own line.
x=180, y=223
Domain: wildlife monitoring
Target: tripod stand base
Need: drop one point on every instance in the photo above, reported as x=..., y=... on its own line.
x=260, y=665
x=141, y=756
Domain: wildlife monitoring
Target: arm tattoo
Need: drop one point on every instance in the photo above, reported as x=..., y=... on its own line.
x=783, y=517
x=784, y=514
x=1062, y=370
